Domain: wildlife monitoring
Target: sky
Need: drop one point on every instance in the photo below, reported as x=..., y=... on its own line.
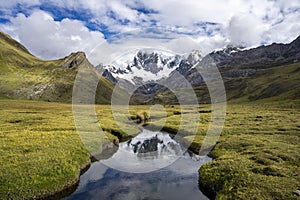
x=52, y=29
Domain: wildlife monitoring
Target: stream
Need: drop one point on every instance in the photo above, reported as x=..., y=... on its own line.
x=150, y=166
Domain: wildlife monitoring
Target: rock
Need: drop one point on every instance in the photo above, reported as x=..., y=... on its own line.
x=297, y=192
x=135, y=146
x=142, y=117
x=149, y=145
x=73, y=60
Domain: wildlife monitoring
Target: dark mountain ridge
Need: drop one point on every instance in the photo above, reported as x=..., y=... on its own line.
x=232, y=62
x=238, y=68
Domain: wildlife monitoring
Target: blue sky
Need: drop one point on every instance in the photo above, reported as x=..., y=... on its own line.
x=52, y=29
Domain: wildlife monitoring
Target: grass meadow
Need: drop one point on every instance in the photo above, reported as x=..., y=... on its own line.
x=256, y=157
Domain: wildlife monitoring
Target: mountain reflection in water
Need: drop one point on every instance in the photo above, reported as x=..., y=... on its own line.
x=150, y=166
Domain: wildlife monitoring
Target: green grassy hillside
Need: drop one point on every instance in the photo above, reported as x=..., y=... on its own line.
x=24, y=76
x=279, y=83
x=273, y=84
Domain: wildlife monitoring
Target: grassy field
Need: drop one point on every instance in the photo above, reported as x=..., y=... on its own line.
x=257, y=156
x=40, y=151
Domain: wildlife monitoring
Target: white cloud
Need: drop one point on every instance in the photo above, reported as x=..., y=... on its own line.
x=208, y=44
x=285, y=31
x=288, y=5
x=239, y=21
x=183, y=25
x=50, y=39
x=245, y=30
x=106, y=53
x=122, y=11
x=12, y=3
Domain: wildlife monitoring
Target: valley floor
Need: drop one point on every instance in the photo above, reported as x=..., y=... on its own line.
x=256, y=157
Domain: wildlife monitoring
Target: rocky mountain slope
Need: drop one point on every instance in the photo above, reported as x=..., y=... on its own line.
x=149, y=75
x=281, y=83
x=248, y=74
x=24, y=76
x=266, y=72
x=147, y=67
x=234, y=62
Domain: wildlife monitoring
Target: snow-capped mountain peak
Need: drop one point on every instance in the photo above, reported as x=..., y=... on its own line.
x=229, y=49
x=148, y=65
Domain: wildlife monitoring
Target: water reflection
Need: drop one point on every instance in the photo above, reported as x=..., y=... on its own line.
x=178, y=180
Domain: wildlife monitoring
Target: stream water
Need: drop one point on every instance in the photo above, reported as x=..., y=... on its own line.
x=150, y=166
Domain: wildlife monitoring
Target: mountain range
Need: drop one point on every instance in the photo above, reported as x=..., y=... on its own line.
x=150, y=66
x=151, y=75
x=266, y=72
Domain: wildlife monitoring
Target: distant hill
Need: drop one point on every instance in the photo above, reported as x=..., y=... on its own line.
x=24, y=76
x=281, y=83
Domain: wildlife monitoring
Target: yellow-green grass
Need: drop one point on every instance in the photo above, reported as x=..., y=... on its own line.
x=41, y=152
x=257, y=156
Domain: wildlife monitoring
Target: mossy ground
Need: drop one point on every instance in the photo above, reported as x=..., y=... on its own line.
x=257, y=154
x=256, y=157
x=41, y=152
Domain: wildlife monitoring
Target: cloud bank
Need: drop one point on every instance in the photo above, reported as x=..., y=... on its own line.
x=52, y=29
